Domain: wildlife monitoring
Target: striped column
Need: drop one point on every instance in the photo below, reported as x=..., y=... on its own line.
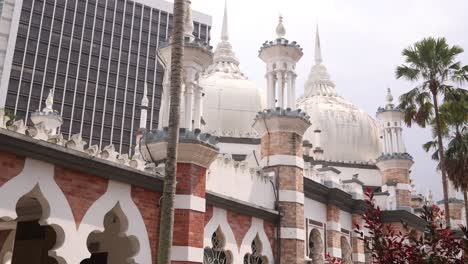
x=196, y=152
x=281, y=151
x=333, y=231
x=357, y=243
x=395, y=172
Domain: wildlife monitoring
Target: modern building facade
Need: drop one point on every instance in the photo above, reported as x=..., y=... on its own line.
x=95, y=55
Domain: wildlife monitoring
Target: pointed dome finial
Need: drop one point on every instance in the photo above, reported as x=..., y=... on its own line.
x=280, y=30
x=225, y=32
x=49, y=102
x=188, y=26
x=318, y=49
x=389, y=99
x=144, y=100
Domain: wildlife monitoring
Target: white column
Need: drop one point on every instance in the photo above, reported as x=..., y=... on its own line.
x=270, y=90
x=197, y=107
x=189, y=86
x=402, y=143
x=143, y=116
x=394, y=141
x=165, y=103
x=291, y=91
x=280, y=84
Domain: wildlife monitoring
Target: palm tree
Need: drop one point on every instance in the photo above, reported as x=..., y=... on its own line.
x=167, y=207
x=454, y=119
x=433, y=63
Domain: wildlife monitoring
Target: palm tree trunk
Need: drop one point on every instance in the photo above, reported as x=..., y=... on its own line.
x=441, y=158
x=465, y=197
x=167, y=208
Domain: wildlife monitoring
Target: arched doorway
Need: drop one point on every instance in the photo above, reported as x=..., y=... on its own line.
x=112, y=246
x=346, y=251
x=315, y=247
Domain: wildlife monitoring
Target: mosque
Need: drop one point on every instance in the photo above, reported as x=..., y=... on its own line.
x=262, y=177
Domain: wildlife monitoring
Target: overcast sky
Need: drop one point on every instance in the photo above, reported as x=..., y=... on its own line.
x=361, y=45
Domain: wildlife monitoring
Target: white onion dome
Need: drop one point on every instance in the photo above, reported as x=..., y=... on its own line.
x=348, y=134
x=231, y=101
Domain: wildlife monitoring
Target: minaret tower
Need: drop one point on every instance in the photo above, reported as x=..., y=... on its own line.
x=394, y=163
x=281, y=132
x=197, y=57
x=281, y=57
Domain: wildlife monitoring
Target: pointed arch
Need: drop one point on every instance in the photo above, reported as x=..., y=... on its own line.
x=219, y=220
x=257, y=230
x=37, y=178
x=346, y=251
x=93, y=220
x=216, y=253
x=255, y=256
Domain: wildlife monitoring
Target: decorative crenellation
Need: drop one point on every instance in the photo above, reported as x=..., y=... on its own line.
x=288, y=112
x=43, y=132
x=395, y=156
x=185, y=135
x=233, y=133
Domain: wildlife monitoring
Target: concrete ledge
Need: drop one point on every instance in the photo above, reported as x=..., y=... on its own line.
x=189, y=254
x=190, y=202
x=292, y=233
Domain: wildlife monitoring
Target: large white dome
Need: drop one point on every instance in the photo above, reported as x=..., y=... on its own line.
x=347, y=133
x=231, y=101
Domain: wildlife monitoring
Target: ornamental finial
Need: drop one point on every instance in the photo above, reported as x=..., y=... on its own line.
x=49, y=103
x=280, y=30
x=389, y=99
x=144, y=100
x=225, y=32
x=318, y=49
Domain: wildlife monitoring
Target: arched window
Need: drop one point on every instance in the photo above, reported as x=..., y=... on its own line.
x=216, y=254
x=315, y=247
x=255, y=257
x=346, y=252
x=112, y=246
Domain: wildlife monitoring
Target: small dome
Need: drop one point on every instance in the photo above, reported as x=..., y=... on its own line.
x=348, y=133
x=231, y=101
x=230, y=105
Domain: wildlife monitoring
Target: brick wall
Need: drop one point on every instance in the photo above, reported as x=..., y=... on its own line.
x=240, y=224
x=148, y=204
x=399, y=175
x=80, y=189
x=10, y=166
x=281, y=143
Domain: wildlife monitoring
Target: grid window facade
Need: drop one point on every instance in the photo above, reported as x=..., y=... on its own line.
x=96, y=55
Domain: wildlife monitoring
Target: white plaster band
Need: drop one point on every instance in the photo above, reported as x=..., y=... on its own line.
x=292, y=233
x=334, y=252
x=189, y=254
x=291, y=196
x=403, y=187
x=359, y=257
x=190, y=202
x=286, y=160
x=333, y=226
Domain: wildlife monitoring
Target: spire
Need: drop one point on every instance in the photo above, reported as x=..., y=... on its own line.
x=225, y=60
x=144, y=100
x=49, y=103
x=389, y=98
x=280, y=30
x=318, y=49
x=188, y=27
x=225, y=32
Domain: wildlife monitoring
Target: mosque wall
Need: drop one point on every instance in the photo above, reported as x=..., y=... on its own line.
x=370, y=177
x=240, y=180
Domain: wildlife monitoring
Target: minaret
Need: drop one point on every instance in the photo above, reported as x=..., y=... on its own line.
x=285, y=161
x=394, y=163
x=197, y=57
x=319, y=81
x=281, y=57
x=143, y=117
